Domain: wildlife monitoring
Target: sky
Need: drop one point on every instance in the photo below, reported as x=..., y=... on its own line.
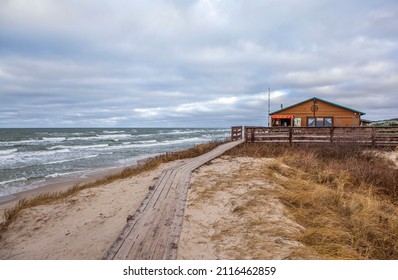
x=182, y=63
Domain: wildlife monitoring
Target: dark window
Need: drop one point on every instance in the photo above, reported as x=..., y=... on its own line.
x=320, y=121
x=311, y=122
x=328, y=121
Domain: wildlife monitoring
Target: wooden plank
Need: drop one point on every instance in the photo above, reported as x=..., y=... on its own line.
x=153, y=230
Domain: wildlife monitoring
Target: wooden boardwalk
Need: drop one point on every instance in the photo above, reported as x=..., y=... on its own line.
x=153, y=231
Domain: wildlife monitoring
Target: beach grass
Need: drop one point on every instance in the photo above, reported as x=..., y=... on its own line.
x=344, y=196
x=12, y=213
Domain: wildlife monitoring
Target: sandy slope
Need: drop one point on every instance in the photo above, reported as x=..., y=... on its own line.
x=233, y=213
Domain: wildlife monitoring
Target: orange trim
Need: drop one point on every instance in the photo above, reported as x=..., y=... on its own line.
x=282, y=117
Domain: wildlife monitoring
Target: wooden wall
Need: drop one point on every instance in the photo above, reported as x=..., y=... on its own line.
x=341, y=116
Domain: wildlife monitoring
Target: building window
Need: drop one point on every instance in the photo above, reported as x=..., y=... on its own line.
x=297, y=122
x=320, y=121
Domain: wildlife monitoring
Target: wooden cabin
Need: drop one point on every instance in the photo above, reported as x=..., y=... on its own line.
x=316, y=112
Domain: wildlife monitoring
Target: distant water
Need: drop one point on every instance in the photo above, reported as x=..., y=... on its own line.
x=31, y=157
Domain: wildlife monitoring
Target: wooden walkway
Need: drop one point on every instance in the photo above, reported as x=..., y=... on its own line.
x=153, y=231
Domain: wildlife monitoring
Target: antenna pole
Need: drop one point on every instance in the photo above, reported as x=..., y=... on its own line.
x=269, y=104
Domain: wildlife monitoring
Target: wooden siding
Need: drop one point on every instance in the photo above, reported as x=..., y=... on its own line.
x=340, y=115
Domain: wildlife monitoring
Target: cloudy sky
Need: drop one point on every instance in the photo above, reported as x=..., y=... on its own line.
x=182, y=63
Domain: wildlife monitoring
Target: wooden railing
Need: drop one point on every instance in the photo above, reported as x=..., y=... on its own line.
x=374, y=136
x=236, y=133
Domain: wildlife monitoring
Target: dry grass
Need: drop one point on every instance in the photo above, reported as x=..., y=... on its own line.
x=12, y=213
x=346, y=199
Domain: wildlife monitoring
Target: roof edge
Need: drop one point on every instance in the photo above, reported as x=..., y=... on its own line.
x=320, y=99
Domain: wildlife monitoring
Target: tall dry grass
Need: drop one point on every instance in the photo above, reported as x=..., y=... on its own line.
x=345, y=197
x=12, y=213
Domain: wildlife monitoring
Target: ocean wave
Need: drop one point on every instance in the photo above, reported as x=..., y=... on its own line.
x=7, y=152
x=114, y=131
x=54, y=139
x=27, y=142
x=58, y=152
x=146, y=141
x=99, y=137
x=13, y=181
x=31, y=158
x=70, y=159
x=63, y=174
x=77, y=147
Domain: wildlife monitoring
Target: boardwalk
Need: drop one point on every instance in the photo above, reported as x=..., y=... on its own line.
x=153, y=231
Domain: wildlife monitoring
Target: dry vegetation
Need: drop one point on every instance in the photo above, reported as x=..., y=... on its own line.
x=11, y=214
x=344, y=196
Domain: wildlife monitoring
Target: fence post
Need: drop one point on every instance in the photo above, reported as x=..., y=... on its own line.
x=252, y=135
x=331, y=134
x=290, y=136
x=373, y=136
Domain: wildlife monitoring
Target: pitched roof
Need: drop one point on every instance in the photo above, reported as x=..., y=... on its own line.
x=317, y=98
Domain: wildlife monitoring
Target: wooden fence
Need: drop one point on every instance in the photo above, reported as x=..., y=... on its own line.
x=236, y=133
x=373, y=136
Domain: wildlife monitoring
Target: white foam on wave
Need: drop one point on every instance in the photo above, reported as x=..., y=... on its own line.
x=70, y=159
x=54, y=139
x=99, y=137
x=114, y=131
x=21, y=142
x=78, y=147
x=64, y=174
x=8, y=151
x=13, y=181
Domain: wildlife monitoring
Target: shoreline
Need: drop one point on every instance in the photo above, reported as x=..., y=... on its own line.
x=81, y=226
x=63, y=183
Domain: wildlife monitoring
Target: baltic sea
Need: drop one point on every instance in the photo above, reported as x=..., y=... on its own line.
x=30, y=158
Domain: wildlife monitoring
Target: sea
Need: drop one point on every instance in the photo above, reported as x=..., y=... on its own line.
x=30, y=158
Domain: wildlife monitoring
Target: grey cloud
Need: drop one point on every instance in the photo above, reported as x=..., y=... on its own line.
x=181, y=63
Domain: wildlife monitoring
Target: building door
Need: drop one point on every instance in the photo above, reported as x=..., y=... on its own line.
x=282, y=120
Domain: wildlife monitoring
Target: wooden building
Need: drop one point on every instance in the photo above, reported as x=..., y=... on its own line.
x=316, y=112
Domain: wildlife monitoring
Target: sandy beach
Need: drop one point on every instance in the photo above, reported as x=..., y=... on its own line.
x=233, y=211
x=217, y=218
x=82, y=226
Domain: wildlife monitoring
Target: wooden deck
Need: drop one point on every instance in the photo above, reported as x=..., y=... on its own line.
x=153, y=231
x=371, y=136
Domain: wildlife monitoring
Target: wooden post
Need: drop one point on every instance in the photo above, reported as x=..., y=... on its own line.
x=331, y=134
x=373, y=136
x=290, y=136
x=253, y=130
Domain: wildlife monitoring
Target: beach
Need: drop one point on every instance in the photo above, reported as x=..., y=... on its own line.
x=84, y=225
x=81, y=226
x=236, y=209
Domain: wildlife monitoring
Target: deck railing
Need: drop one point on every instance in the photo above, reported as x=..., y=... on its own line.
x=374, y=136
x=236, y=133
